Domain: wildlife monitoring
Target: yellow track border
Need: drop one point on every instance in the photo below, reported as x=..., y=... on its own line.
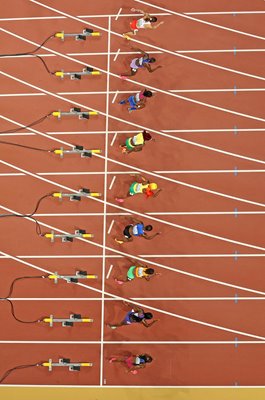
x=44, y=393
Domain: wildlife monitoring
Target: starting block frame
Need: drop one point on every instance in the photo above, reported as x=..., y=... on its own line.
x=77, y=75
x=72, y=278
x=78, y=36
x=65, y=362
x=76, y=111
x=77, y=196
x=73, y=318
x=79, y=233
x=84, y=153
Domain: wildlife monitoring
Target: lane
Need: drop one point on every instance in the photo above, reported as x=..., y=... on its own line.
x=234, y=365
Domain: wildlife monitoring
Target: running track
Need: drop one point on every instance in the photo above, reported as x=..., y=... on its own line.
x=207, y=117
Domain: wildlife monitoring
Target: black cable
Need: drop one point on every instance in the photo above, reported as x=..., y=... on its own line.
x=32, y=213
x=29, y=52
x=38, y=121
x=43, y=62
x=16, y=318
x=38, y=227
x=18, y=367
x=20, y=278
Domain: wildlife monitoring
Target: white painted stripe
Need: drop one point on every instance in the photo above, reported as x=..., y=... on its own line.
x=78, y=16
x=151, y=213
x=83, y=54
x=138, y=298
x=151, y=256
x=114, y=97
x=225, y=171
x=117, y=16
x=133, y=91
x=114, y=138
x=168, y=342
x=224, y=12
x=112, y=182
x=109, y=272
x=111, y=226
x=116, y=55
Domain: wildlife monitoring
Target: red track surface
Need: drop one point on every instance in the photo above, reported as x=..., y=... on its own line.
x=178, y=248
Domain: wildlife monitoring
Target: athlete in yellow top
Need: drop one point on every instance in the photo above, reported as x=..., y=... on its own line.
x=135, y=143
x=142, y=186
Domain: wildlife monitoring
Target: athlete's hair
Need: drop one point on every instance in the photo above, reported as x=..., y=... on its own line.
x=148, y=315
x=152, y=60
x=147, y=93
x=153, y=19
x=146, y=136
x=149, y=271
x=148, y=228
x=146, y=357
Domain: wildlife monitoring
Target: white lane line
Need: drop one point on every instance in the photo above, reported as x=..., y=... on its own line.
x=225, y=171
x=120, y=253
x=151, y=213
x=115, y=95
x=224, y=12
x=112, y=182
x=195, y=19
x=116, y=55
x=188, y=99
x=138, y=298
x=111, y=226
x=152, y=342
x=133, y=91
x=178, y=316
x=182, y=227
x=113, y=139
x=78, y=16
x=58, y=133
x=117, y=16
x=139, y=256
x=83, y=54
x=109, y=272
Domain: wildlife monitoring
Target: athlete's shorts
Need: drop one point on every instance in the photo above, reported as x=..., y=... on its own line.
x=130, y=273
x=129, y=361
x=132, y=189
x=126, y=232
x=128, y=144
x=133, y=25
x=132, y=102
x=133, y=65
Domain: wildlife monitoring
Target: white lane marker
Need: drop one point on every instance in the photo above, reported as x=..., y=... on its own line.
x=111, y=226
x=112, y=182
x=114, y=97
x=117, y=16
x=109, y=271
x=116, y=55
x=113, y=139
